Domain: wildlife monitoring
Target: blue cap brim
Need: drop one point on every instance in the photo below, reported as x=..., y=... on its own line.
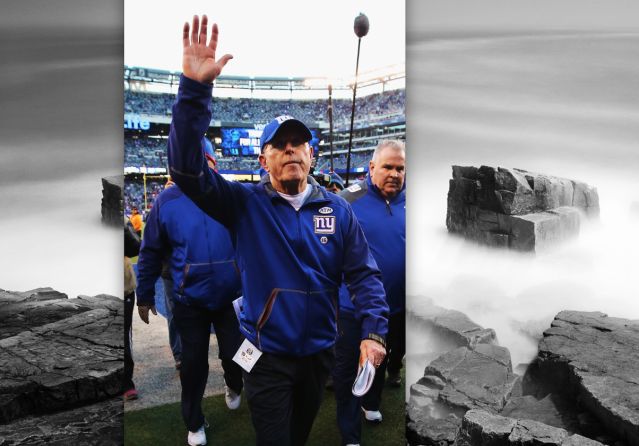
x=288, y=123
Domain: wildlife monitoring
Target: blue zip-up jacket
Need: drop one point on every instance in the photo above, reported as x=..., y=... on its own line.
x=384, y=224
x=199, y=251
x=291, y=262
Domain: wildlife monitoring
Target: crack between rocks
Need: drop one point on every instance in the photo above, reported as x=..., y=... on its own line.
x=73, y=327
x=14, y=354
x=65, y=342
x=491, y=358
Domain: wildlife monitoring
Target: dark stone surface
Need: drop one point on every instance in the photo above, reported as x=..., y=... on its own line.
x=22, y=311
x=551, y=410
x=455, y=382
x=57, y=354
x=482, y=428
x=594, y=359
x=112, y=200
x=98, y=424
x=451, y=325
x=428, y=421
x=515, y=208
x=478, y=378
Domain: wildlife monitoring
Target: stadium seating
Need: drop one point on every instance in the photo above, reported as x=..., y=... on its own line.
x=261, y=111
x=142, y=151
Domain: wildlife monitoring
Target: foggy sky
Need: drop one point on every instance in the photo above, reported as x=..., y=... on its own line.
x=495, y=15
x=29, y=15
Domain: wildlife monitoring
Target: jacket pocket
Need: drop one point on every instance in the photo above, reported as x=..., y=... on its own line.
x=322, y=330
x=281, y=325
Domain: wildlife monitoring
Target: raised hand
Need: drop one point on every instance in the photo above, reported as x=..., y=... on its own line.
x=198, y=59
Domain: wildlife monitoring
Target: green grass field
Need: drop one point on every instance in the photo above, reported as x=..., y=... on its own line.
x=163, y=425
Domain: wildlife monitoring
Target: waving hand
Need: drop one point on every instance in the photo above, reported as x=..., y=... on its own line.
x=198, y=59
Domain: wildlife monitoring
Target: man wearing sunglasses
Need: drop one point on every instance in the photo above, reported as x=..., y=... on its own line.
x=295, y=242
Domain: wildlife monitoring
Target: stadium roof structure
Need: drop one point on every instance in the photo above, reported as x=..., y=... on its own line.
x=382, y=75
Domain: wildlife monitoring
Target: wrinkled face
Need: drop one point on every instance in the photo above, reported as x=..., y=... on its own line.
x=387, y=171
x=287, y=157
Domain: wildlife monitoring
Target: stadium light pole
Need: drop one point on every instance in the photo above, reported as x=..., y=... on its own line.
x=360, y=27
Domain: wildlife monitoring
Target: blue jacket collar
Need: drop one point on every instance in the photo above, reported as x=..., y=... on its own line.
x=318, y=193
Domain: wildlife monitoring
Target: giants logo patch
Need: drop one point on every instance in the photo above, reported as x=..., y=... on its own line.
x=324, y=224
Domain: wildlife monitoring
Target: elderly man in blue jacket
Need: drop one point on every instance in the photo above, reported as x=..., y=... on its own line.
x=379, y=202
x=205, y=281
x=295, y=244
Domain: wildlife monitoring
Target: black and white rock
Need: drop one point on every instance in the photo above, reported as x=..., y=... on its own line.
x=450, y=325
x=594, y=359
x=458, y=381
x=482, y=428
x=98, y=424
x=112, y=200
x=57, y=354
x=517, y=209
x=552, y=410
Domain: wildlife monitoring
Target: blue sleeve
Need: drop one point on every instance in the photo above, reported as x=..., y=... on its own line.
x=364, y=282
x=207, y=189
x=155, y=247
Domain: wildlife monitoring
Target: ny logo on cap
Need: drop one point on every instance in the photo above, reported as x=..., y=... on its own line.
x=283, y=118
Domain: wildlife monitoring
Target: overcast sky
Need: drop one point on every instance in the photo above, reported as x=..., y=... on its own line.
x=282, y=38
x=496, y=15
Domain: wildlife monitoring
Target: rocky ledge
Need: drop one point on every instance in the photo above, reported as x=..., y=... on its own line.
x=594, y=359
x=515, y=208
x=57, y=354
x=454, y=383
x=480, y=428
x=451, y=325
x=582, y=389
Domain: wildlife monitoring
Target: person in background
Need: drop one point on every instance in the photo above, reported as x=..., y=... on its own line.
x=131, y=249
x=205, y=281
x=335, y=183
x=167, y=281
x=136, y=221
x=380, y=205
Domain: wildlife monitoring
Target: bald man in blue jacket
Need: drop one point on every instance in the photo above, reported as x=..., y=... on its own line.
x=379, y=202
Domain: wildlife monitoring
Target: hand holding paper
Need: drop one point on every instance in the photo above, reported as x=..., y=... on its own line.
x=364, y=379
x=371, y=350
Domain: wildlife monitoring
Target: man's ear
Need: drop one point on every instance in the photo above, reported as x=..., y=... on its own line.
x=371, y=166
x=262, y=160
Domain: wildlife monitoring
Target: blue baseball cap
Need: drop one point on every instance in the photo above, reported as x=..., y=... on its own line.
x=336, y=179
x=283, y=121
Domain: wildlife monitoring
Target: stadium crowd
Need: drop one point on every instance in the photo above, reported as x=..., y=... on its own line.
x=134, y=194
x=260, y=111
x=149, y=152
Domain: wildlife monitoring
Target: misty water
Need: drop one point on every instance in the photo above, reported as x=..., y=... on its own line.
x=61, y=126
x=53, y=237
x=558, y=104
